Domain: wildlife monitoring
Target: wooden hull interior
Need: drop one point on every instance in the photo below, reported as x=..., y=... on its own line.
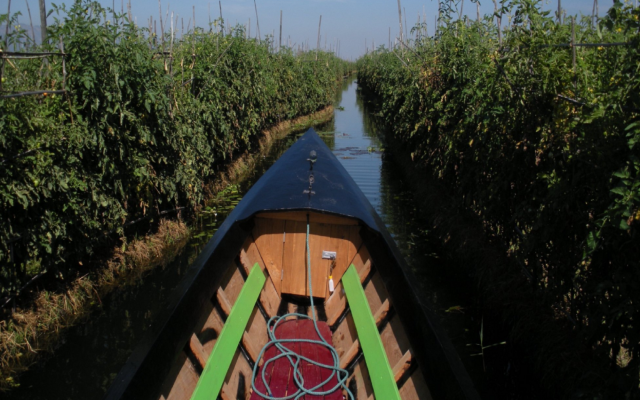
x=277, y=244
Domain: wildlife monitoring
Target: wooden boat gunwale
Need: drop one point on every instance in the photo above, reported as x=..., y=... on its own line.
x=439, y=362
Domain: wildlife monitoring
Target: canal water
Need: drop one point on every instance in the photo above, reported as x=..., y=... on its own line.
x=91, y=355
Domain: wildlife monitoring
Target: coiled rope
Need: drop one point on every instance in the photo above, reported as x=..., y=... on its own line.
x=295, y=358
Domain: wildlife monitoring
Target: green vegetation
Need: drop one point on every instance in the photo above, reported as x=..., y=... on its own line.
x=556, y=180
x=138, y=132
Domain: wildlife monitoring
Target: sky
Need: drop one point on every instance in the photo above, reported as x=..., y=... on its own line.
x=355, y=23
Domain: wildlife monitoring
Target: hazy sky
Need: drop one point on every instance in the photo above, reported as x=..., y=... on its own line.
x=351, y=21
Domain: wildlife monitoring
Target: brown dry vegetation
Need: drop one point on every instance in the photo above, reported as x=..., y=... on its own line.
x=36, y=327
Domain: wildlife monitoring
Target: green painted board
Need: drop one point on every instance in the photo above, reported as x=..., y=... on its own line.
x=384, y=384
x=215, y=371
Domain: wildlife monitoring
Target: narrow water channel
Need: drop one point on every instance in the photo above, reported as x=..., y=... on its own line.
x=92, y=354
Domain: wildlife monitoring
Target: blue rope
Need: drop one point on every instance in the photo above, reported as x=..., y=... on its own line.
x=295, y=358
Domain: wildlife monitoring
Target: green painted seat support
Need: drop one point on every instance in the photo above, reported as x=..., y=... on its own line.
x=384, y=384
x=215, y=371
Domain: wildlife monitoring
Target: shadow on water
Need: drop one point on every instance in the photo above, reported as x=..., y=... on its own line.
x=92, y=354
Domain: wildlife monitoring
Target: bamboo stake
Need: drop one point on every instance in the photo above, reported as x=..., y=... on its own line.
x=573, y=53
x=161, y=24
x=406, y=26
x=424, y=18
x=400, y=17
x=461, y=7
x=210, y=17
x=171, y=47
x=495, y=7
x=33, y=33
x=560, y=11
x=64, y=66
x=221, y=19
x=43, y=22
x=389, y=38
x=257, y=20
x=280, y=40
x=594, y=13
x=478, y=12
x=6, y=42
x=318, y=44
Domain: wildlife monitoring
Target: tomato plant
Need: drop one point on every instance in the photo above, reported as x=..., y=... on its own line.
x=137, y=133
x=557, y=179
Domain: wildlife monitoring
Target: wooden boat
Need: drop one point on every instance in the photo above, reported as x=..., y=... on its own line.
x=304, y=227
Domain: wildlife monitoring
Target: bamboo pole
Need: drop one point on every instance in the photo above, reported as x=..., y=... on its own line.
x=400, y=17
x=280, y=40
x=573, y=54
x=478, y=12
x=6, y=42
x=424, y=18
x=161, y=24
x=43, y=22
x=461, y=7
x=221, y=19
x=318, y=44
x=257, y=20
x=64, y=66
x=499, y=20
x=33, y=33
x=559, y=11
x=406, y=26
x=171, y=47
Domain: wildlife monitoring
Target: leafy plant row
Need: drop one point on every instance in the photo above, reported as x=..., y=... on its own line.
x=139, y=132
x=557, y=181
